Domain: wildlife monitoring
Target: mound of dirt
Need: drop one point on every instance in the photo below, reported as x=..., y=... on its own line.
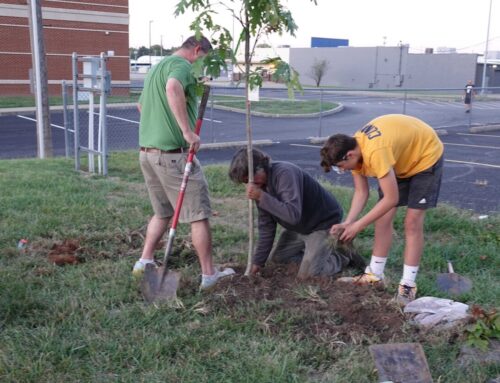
x=318, y=307
x=65, y=253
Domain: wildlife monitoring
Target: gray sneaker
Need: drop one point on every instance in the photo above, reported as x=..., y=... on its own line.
x=139, y=268
x=209, y=281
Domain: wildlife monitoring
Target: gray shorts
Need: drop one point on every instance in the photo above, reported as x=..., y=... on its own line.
x=163, y=173
x=420, y=191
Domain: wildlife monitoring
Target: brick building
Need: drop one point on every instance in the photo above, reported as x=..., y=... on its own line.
x=87, y=27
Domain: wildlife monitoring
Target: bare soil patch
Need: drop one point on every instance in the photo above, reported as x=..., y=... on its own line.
x=318, y=308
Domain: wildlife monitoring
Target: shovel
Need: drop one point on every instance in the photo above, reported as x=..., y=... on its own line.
x=160, y=284
x=401, y=363
x=452, y=283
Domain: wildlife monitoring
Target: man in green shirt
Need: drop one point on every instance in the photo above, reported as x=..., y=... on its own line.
x=168, y=115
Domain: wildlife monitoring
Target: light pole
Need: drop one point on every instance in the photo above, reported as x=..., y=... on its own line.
x=150, y=21
x=485, y=63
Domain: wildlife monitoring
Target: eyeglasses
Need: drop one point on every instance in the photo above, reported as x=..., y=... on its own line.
x=338, y=170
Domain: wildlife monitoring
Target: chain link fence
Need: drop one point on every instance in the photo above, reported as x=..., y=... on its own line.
x=329, y=111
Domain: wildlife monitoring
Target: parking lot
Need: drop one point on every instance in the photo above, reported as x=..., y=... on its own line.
x=472, y=167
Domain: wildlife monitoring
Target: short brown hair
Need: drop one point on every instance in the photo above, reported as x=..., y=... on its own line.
x=335, y=149
x=238, y=170
x=202, y=42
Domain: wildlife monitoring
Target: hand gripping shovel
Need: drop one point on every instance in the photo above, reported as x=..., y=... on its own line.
x=452, y=283
x=160, y=284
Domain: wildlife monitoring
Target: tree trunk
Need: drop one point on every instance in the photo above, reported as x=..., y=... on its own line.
x=249, y=144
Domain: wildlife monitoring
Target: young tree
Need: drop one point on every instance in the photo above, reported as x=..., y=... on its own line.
x=256, y=18
x=318, y=70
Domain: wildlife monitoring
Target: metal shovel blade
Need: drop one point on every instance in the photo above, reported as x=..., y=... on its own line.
x=158, y=286
x=453, y=284
x=401, y=362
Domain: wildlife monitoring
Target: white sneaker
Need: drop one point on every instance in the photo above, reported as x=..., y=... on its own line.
x=209, y=281
x=139, y=268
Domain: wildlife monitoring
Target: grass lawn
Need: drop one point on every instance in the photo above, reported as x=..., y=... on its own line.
x=265, y=105
x=273, y=106
x=87, y=322
x=29, y=101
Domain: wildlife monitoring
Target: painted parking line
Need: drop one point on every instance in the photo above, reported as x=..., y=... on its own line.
x=306, y=146
x=473, y=146
x=417, y=102
x=450, y=104
x=53, y=125
x=484, y=106
x=494, y=105
x=137, y=122
x=474, y=163
x=477, y=135
x=446, y=160
x=120, y=118
x=216, y=121
x=445, y=143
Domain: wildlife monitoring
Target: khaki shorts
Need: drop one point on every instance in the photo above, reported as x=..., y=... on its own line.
x=163, y=173
x=312, y=251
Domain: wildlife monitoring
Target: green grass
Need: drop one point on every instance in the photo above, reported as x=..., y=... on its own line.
x=88, y=323
x=29, y=101
x=273, y=106
x=265, y=105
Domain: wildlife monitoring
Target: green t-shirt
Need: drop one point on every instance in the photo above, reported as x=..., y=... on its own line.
x=158, y=127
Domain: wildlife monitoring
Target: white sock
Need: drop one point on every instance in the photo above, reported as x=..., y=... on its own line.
x=409, y=275
x=145, y=261
x=377, y=266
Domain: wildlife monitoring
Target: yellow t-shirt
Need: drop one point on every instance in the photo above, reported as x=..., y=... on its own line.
x=405, y=143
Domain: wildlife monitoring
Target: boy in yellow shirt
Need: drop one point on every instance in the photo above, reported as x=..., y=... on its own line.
x=406, y=156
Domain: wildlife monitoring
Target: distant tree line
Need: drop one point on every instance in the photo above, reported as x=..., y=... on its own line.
x=156, y=50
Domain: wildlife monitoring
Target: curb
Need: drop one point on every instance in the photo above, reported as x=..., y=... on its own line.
x=31, y=109
x=234, y=144
x=484, y=128
x=338, y=109
x=322, y=140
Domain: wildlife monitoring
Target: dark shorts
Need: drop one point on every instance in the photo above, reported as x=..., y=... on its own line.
x=467, y=99
x=422, y=190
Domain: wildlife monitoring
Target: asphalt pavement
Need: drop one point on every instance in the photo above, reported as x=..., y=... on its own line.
x=472, y=168
x=471, y=178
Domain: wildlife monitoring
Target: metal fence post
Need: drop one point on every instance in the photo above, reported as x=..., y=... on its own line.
x=65, y=118
x=320, y=112
x=76, y=123
x=212, y=116
x=404, y=102
x=102, y=115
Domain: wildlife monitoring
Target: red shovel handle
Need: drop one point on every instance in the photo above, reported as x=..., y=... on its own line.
x=189, y=162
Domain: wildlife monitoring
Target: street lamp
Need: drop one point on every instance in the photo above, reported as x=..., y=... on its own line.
x=486, y=51
x=150, y=21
